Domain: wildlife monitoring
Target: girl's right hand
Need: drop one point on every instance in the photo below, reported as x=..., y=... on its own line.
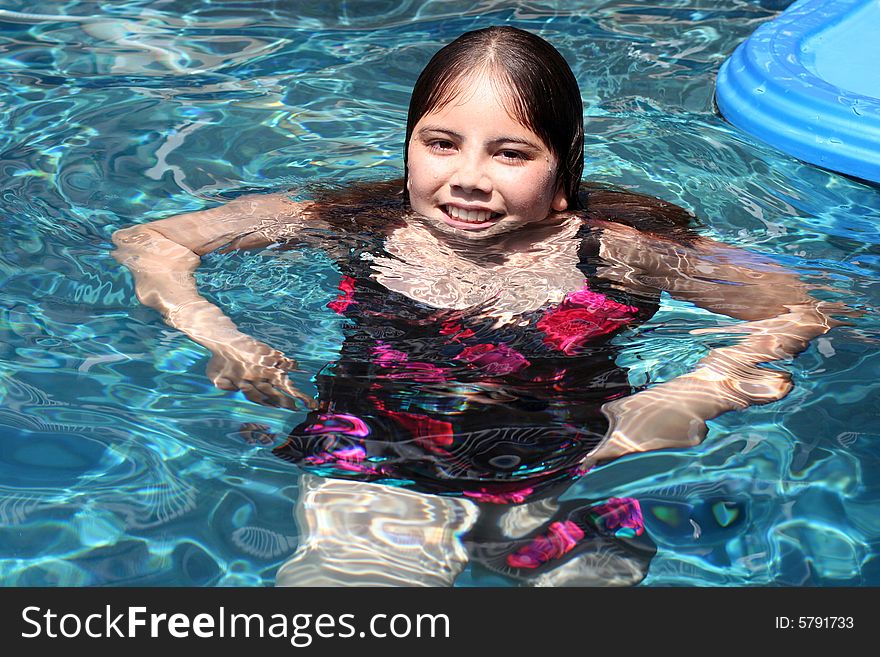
x=259, y=372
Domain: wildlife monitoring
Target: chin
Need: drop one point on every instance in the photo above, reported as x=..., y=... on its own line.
x=499, y=228
x=503, y=226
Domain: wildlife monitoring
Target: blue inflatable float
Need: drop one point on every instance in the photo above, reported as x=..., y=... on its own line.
x=808, y=83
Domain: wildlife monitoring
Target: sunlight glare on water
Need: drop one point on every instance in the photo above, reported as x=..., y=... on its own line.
x=120, y=463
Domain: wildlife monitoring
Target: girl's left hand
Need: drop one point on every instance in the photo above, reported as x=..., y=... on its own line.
x=649, y=420
x=673, y=414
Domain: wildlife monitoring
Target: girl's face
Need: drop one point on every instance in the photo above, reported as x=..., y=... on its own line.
x=475, y=171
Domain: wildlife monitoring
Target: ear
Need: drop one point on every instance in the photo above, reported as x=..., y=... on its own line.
x=560, y=202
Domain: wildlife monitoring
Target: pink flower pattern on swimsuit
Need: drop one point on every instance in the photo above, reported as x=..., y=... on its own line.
x=510, y=497
x=350, y=425
x=454, y=329
x=494, y=359
x=583, y=315
x=561, y=538
x=621, y=516
x=403, y=368
x=431, y=433
x=386, y=356
x=351, y=458
x=354, y=466
x=346, y=296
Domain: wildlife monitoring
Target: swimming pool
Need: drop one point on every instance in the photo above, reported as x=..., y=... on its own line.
x=121, y=465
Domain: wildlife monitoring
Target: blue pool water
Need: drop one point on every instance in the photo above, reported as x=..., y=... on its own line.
x=121, y=465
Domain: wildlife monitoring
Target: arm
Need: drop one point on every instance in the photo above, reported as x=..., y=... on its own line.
x=780, y=321
x=162, y=257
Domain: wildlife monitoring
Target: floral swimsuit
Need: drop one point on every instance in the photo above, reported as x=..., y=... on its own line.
x=444, y=402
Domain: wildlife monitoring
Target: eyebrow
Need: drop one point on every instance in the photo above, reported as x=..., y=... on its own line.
x=501, y=139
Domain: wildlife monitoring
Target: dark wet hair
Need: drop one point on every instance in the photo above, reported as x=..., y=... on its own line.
x=648, y=214
x=537, y=86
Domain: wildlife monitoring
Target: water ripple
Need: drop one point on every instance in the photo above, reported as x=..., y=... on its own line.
x=122, y=465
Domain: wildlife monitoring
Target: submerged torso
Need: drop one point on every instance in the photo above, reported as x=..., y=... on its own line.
x=478, y=374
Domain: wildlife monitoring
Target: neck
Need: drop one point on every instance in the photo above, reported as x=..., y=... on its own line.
x=499, y=249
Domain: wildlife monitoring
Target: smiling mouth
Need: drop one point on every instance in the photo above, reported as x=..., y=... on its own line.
x=470, y=218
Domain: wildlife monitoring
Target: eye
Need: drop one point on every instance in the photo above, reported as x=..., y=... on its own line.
x=441, y=145
x=512, y=156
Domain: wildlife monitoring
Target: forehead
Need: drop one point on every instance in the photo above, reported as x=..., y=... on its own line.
x=483, y=93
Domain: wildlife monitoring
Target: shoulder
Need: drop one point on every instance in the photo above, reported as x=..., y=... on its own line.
x=346, y=211
x=645, y=214
x=364, y=205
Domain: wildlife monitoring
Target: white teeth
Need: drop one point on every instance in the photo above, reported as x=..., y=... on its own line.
x=471, y=216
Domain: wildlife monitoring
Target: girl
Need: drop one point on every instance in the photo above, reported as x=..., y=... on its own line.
x=483, y=293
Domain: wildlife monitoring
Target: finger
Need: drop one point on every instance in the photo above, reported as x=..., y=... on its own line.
x=282, y=382
x=224, y=384
x=278, y=361
x=253, y=426
x=287, y=386
x=284, y=394
x=838, y=307
x=254, y=433
x=254, y=394
x=274, y=396
x=288, y=364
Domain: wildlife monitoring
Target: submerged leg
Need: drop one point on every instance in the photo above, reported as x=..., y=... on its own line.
x=362, y=534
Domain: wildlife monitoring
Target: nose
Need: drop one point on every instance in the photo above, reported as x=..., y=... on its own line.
x=470, y=175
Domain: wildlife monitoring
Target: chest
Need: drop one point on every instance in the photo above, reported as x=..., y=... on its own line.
x=426, y=270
